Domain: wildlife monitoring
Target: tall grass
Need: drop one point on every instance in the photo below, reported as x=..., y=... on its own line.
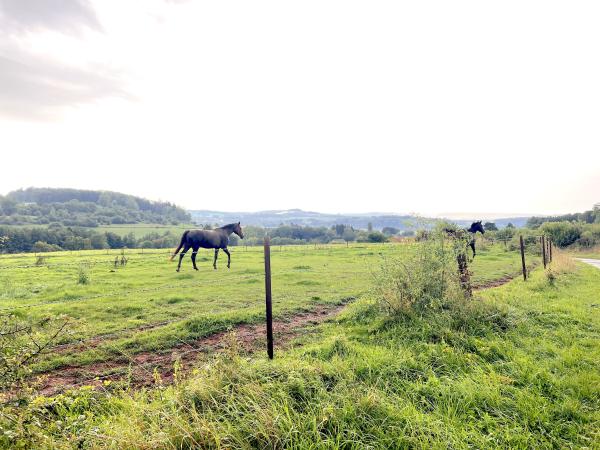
x=561, y=264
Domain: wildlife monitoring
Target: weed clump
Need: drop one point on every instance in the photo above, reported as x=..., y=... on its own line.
x=427, y=279
x=83, y=275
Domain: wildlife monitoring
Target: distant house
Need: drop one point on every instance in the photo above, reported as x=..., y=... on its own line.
x=597, y=207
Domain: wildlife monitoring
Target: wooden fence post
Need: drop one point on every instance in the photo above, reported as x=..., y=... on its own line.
x=463, y=273
x=523, y=258
x=268, y=298
x=543, y=242
x=550, y=248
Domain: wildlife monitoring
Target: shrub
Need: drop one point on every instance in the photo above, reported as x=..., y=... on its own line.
x=376, y=236
x=426, y=279
x=562, y=233
x=42, y=247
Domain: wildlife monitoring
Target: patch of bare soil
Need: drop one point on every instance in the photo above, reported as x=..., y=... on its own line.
x=494, y=283
x=142, y=368
x=503, y=280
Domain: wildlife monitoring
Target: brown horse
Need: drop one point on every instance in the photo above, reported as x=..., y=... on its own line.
x=217, y=239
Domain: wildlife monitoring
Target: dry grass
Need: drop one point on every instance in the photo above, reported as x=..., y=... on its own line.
x=562, y=263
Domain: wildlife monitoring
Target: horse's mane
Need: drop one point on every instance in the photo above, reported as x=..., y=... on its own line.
x=229, y=226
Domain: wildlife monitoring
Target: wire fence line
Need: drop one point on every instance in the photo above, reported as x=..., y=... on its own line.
x=168, y=251
x=110, y=263
x=107, y=346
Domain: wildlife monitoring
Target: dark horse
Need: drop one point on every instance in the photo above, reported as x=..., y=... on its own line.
x=217, y=239
x=474, y=228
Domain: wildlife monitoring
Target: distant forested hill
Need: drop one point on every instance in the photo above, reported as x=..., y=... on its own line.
x=377, y=221
x=74, y=207
x=271, y=219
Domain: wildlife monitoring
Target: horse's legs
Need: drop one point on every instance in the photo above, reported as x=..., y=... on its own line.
x=194, y=253
x=472, y=245
x=228, y=257
x=181, y=255
x=215, y=261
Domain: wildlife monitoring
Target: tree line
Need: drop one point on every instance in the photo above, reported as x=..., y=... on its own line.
x=57, y=237
x=82, y=208
x=580, y=229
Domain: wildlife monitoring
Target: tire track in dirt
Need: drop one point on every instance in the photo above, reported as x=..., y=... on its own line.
x=140, y=369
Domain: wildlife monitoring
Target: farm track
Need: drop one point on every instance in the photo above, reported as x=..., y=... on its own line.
x=140, y=368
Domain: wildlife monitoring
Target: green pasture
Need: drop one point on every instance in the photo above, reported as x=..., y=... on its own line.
x=147, y=292
x=516, y=367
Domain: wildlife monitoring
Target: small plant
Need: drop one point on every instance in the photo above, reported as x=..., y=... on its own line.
x=40, y=260
x=83, y=275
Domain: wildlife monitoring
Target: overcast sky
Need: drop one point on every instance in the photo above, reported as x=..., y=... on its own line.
x=333, y=106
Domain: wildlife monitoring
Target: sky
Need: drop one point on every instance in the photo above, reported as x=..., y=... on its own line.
x=429, y=107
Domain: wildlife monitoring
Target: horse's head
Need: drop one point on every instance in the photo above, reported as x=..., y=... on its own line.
x=475, y=227
x=237, y=229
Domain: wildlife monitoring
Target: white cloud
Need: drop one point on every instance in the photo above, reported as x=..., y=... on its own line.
x=331, y=106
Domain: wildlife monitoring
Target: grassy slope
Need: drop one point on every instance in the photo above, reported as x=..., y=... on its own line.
x=518, y=369
x=148, y=291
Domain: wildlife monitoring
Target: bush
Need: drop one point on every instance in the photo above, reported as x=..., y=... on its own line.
x=376, y=236
x=42, y=247
x=563, y=234
x=427, y=279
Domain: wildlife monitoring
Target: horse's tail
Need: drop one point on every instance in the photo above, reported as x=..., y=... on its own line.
x=185, y=233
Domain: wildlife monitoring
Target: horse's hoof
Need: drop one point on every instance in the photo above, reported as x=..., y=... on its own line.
x=195, y=268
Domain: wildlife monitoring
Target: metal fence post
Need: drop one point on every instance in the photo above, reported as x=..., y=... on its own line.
x=523, y=258
x=268, y=298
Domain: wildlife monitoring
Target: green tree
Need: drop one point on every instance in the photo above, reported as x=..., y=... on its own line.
x=376, y=236
x=490, y=226
x=390, y=231
x=99, y=241
x=563, y=234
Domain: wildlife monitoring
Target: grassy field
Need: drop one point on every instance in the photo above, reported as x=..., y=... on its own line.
x=593, y=252
x=517, y=367
x=147, y=306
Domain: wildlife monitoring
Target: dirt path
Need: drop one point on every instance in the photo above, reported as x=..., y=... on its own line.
x=140, y=370
x=142, y=367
